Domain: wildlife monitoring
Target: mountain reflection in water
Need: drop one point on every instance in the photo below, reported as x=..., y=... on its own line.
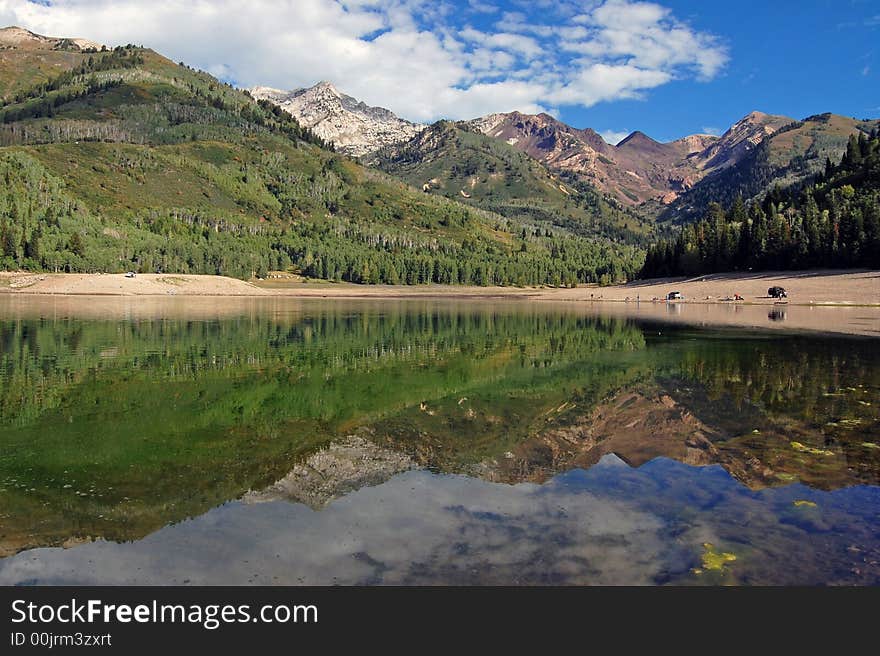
x=434, y=443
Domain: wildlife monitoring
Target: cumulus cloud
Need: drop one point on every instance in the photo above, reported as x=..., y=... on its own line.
x=423, y=59
x=647, y=36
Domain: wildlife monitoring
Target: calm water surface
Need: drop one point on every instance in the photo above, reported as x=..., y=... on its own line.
x=316, y=442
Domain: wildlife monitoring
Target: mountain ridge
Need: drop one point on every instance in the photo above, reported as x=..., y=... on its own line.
x=15, y=36
x=794, y=154
x=637, y=169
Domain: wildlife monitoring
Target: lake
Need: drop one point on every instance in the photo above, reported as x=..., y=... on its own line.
x=284, y=441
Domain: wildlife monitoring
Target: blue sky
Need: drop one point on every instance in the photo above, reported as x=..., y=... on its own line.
x=669, y=68
x=791, y=58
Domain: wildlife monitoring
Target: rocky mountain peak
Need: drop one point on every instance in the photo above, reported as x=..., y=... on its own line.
x=755, y=117
x=322, y=91
x=354, y=127
x=326, y=85
x=755, y=124
x=637, y=139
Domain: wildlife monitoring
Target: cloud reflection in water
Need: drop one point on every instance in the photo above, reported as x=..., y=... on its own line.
x=608, y=525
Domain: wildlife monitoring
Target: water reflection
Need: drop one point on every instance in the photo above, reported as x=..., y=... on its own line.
x=608, y=525
x=282, y=417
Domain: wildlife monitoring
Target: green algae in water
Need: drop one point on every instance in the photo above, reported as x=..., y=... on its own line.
x=804, y=503
x=803, y=448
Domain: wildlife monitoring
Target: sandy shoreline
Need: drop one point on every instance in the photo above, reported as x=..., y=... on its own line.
x=826, y=287
x=841, y=302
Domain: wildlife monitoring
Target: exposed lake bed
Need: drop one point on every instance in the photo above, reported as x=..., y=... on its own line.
x=320, y=441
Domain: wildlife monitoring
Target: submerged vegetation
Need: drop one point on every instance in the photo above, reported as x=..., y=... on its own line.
x=715, y=560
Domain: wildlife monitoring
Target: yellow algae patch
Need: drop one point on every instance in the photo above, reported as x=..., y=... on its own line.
x=870, y=445
x=804, y=503
x=803, y=448
x=714, y=560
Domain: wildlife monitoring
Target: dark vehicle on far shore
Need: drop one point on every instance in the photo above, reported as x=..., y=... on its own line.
x=674, y=296
x=777, y=292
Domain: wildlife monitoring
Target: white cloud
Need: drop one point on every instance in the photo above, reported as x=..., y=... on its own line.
x=715, y=132
x=614, y=137
x=516, y=43
x=596, y=82
x=515, y=21
x=482, y=7
x=647, y=35
x=420, y=58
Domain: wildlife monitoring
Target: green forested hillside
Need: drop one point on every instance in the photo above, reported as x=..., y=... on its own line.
x=832, y=223
x=129, y=161
x=452, y=160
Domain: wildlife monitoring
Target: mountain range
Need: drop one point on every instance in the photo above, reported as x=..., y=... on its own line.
x=665, y=179
x=119, y=159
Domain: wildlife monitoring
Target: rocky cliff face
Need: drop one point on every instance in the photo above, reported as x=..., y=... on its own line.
x=544, y=138
x=352, y=126
x=739, y=140
x=638, y=168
